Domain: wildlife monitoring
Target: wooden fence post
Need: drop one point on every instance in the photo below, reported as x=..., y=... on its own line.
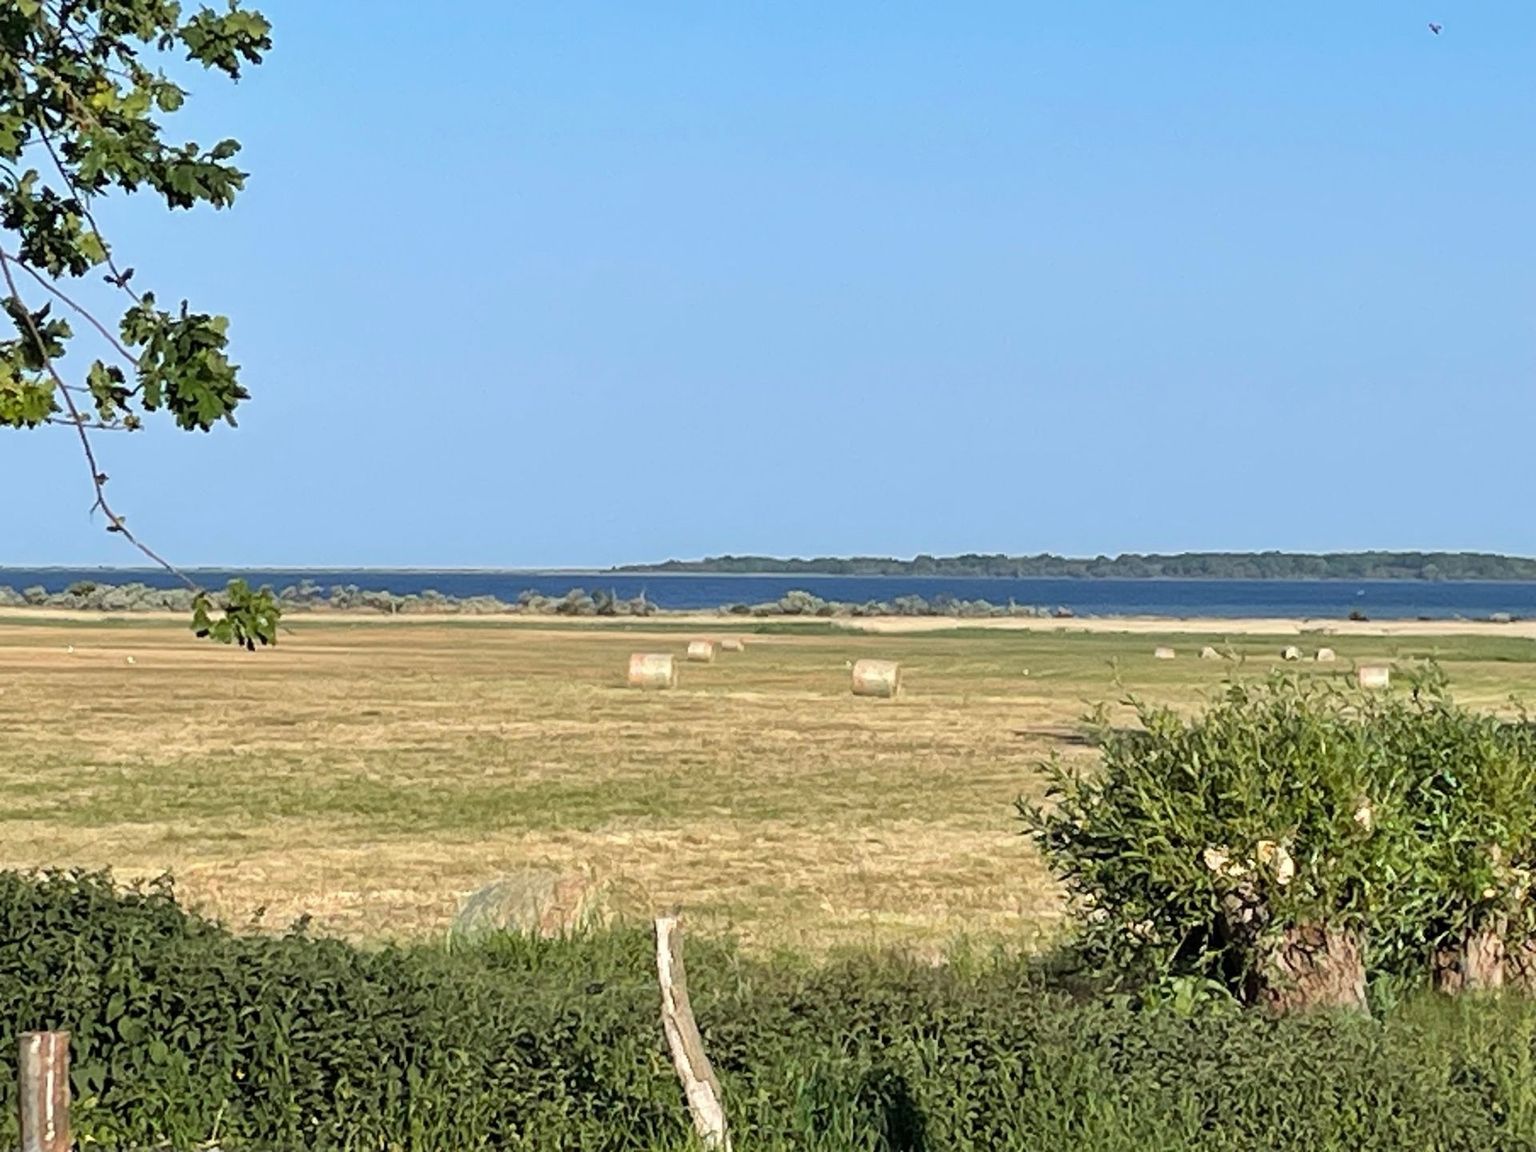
x=43, y=1072
x=706, y=1103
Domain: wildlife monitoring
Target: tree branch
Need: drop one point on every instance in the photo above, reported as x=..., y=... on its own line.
x=93, y=425
x=84, y=198
x=98, y=477
x=50, y=286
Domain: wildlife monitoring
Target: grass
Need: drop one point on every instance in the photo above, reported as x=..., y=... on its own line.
x=369, y=775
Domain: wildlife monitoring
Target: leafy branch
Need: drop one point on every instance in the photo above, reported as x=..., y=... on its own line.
x=80, y=83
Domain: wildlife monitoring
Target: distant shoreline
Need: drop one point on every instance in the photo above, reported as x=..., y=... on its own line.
x=309, y=597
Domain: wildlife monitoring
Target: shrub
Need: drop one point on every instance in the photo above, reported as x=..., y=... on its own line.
x=1374, y=831
x=798, y=603
x=576, y=602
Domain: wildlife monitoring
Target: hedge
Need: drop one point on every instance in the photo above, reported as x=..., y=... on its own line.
x=186, y=1034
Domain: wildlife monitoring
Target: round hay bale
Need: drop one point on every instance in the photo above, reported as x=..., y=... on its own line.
x=652, y=670
x=1326, y=655
x=1291, y=653
x=544, y=902
x=701, y=651
x=1163, y=654
x=1374, y=676
x=881, y=678
x=732, y=644
x=1209, y=653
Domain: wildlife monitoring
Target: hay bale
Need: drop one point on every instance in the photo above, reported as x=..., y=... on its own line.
x=880, y=678
x=1163, y=654
x=701, y=651
x=652, y=670
x=1291, y=653
x=732, y=644
x=1326, y=655
x=1209, y=653
x=1373, y=676
x=545, y=902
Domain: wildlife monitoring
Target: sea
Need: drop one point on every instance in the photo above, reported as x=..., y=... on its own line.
x=1308, y=599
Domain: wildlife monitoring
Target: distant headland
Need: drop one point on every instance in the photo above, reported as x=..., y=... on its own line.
x=1131, y=566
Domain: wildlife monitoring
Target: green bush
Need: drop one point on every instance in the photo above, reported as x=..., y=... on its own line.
x=182, y=1032
x=185, y=1034
x=1402, y=819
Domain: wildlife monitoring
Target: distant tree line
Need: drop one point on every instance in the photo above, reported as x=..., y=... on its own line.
x=1183, y=565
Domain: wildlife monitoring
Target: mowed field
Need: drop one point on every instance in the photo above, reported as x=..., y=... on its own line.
x=370, y=774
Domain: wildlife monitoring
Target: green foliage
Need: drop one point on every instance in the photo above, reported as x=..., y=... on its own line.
x=185, y=1035
x=81, y=91
x=82, y=105
x=1403, y=817
x=249, y=618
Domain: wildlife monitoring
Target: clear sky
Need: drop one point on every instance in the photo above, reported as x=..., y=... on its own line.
x=579, y=283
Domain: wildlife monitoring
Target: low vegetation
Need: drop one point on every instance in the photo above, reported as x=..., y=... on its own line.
x=186, y=1035
x=311, y=597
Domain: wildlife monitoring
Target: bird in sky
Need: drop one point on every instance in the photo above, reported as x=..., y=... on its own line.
x=1435, y=28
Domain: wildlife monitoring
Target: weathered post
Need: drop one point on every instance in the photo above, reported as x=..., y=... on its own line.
x=43, y=1071
x=706, y=1103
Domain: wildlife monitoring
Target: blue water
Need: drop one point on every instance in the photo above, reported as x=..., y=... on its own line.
x=1323, y=599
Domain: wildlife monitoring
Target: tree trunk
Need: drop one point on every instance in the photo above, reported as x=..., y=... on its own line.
x=1477, y=964
x=1309, y=967
x=1520, y=967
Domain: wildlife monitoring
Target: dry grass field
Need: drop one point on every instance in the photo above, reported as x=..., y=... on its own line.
x=369, y=775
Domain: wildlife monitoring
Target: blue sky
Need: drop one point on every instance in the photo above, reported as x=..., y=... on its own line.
x=539, y=284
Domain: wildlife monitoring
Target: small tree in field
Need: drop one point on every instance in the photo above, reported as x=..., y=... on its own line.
x=1298, y=838
x=83, y=98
